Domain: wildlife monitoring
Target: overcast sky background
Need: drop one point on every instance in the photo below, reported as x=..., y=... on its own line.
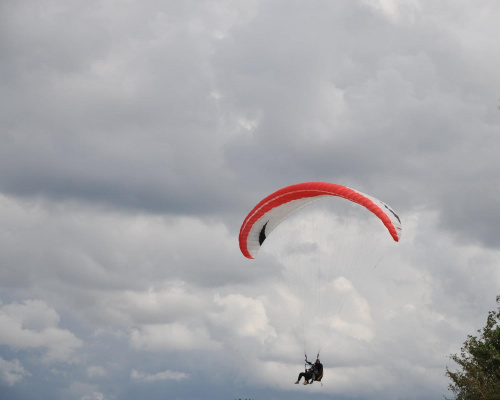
x=137, y=135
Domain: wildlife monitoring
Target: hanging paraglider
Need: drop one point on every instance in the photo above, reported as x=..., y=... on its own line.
x=312, y=373
x=276, y=209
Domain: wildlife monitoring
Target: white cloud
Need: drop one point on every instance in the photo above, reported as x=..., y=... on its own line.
x=96, y=371
x=94, y=396
x=11, y=372
x=33, y=324
x=170, y=337
x=242, y=315
x=159, y=376
x=396, y=12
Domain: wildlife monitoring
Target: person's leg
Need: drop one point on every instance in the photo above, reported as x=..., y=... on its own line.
x=300, y=377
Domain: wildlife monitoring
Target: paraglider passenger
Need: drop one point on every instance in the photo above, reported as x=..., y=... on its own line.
x=315, y=372
x=307, y=376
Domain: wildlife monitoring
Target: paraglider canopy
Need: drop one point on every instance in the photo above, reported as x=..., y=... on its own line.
x=275, y=208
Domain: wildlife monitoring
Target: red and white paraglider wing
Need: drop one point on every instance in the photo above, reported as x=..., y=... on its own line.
x=275, y=208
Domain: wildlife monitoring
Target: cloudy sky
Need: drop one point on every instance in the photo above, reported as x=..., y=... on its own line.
x=136, y=136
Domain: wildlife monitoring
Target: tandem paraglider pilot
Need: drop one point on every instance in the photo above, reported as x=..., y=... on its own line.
x=314, y=373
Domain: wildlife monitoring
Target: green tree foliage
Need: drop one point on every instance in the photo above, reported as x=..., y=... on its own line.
x=479, y=360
